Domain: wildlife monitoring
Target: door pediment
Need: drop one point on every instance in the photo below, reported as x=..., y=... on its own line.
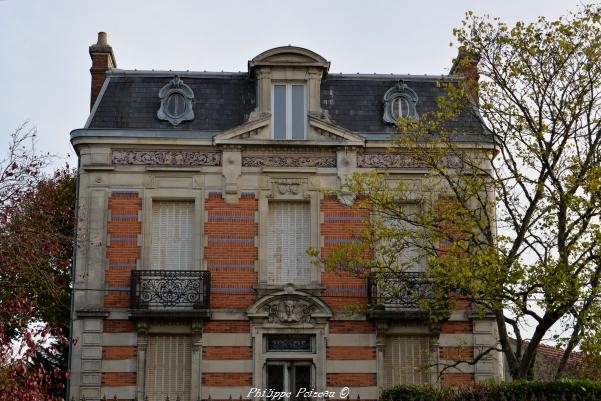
x=289, y=308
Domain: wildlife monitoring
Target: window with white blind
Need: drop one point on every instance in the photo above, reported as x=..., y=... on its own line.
x=406, y=360
x=401, y=251
x=289, y=111
x=168, y=367
x=172, y=235
x=289, y=236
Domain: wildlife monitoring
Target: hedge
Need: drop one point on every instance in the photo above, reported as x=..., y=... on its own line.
x=565, y=390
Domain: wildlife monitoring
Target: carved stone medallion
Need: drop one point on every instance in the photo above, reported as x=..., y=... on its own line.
x=289, y=311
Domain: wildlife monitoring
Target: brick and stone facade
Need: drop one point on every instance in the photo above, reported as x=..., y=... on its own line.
x=229, y=175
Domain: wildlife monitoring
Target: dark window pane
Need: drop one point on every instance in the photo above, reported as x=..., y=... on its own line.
x=176, y=105
x=275, y=377
x=285, y=342
x=279, y=111
x=298, y=112
x=301, y=379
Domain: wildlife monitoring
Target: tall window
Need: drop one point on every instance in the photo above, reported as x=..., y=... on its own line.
x=400, y=251
x=406, y=360
x=288, y=239
x=168, y=367
x=289, y=111
x=172, y=235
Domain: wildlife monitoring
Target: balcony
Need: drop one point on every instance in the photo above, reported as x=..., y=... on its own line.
x=170, y=293
x=397, y=295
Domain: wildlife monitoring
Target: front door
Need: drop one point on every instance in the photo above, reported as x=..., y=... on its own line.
x=289, y=377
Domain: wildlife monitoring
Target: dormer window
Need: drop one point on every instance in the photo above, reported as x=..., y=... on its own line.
x=399, y=101
x=289, y=111
x=400, y=108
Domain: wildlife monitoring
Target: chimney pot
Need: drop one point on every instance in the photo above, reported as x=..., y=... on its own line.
x=102, y=39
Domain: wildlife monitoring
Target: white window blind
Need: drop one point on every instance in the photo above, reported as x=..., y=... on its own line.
x=406, y=360
x=400, y=251
x=288, y=239
x=289, y=111
x=172, y=235
x=168, y=367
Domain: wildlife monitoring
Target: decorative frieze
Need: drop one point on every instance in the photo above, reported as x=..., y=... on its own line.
x=288, y=161
x=129, y=157
x=388, y=160
x=401, y=160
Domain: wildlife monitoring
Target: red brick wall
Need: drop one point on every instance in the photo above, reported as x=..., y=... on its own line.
x=119, y=326
x=227, y=326
x=118, y=352
x=341, y=224
x=118, y=379
x=351, y=379
x=457, y=379
x=351, y=326
x=457, y=353
x=227, y=379
x=123, y=251
x=456, y=327
x=351, y=353
x=227, y=353
x=230, y=251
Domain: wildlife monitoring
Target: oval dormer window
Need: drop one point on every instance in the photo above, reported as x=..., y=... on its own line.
x=176, y=105
x=399, y=101
x=400, y=108
x=177, y=100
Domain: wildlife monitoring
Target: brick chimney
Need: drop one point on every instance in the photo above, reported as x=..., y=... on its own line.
x=103, y=59
x=466, y=64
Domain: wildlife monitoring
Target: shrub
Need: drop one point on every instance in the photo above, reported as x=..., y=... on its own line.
x=565, y=390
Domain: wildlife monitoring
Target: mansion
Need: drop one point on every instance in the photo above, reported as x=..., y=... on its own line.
x=198, y=196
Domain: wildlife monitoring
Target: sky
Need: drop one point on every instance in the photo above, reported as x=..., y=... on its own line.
x=44, y=60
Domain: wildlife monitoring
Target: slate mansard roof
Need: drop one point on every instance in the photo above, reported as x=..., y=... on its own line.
x=223, y=101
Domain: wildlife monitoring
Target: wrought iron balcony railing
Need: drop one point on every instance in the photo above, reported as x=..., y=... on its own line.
x=398, y=290
x=170, y=290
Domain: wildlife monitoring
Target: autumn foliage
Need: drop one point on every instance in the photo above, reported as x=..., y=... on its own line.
x=36, y=243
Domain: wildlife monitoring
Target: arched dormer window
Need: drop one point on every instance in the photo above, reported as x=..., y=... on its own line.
x=399, y=101
x=288, y=87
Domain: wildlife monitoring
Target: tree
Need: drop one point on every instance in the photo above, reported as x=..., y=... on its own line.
x=36, y=243
x=510, y=223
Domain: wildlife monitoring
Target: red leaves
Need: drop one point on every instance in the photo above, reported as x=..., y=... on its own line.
x=36, y=240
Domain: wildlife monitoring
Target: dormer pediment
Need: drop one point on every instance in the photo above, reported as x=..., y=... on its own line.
x=258, y=131
x=289, y=56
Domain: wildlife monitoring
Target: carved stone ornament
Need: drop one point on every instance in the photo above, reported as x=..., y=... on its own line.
x=289, y=311
x=402, y=160
x=399, y=101
x=289, y=161
x=388, y=160
x=289, y=188
x=177, y=102
x=288, y=308
x=129, y=157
